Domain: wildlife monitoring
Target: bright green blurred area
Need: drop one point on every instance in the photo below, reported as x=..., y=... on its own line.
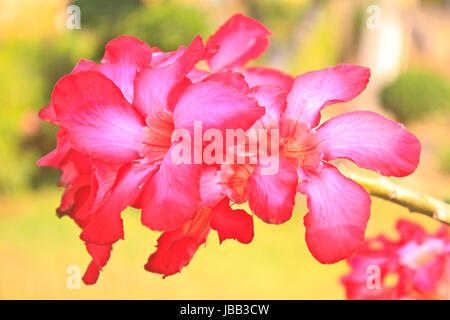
x=36, y=49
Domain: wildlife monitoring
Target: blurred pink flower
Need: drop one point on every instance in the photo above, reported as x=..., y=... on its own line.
x=418, y=262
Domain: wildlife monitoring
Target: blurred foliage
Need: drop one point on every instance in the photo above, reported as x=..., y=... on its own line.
x=444, y=159
x=100, y=13
x=163, y=24
x=415, y=94
x=31, y=66
x=166, y=26
x=320, y=46
x=278, y=16
x=19, y=92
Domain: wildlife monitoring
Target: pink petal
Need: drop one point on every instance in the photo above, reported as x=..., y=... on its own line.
x=274, y=101
x=313, y=91
x=197, y=75
x=338, y=212
x=211, y=186
x=74, y=196
x=216, y=105
x=234, y=79
x=124, y=57
x=427, y=277
x=371, y=141
x=172, y=196
x=48, y=113
x=154, y=85
x=256, y=76
x=105, y=225
x=83, y=65
x=272, y=197
x=55, y=157
x=410, y=231
x=161, y=58
x=102, y=181
x=232, y=224
x=177, y=247
x=241, y=39
x=99, y=121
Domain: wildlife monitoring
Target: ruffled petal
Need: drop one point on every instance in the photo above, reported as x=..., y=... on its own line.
x=153, y=86
x=176, y=248
x=339, y=209
x=99, y=121
x=172, y=196
x=313, y=91
x=371, y=141
x=105, y=225
x=75, y=195
x=55, y=157
x=231, y=224
x=256, y=76
x=211, y=186
x=102, y=180
x=274, y=101
x=124, y=58
x=271, y=196
x=100, y=256
x=240, y=40
x=216, y=105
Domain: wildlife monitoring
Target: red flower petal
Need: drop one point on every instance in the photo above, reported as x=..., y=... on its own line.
x=105, y=225
x=100, y=256
x=99, y=121
x=124, y=57
x=172, y=195
x=241, y=39
x=153, y=86
x=232, y=224
x=177, y=247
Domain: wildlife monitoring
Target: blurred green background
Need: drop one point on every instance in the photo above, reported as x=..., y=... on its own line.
x=406, y=47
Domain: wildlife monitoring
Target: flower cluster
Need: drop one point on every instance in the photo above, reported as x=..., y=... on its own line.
x=120, y=123
x=416, y=266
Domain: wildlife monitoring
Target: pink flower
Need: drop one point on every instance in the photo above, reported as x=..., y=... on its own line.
x=120, y=115
x=418, y=262
x=116, y=145
x=338, y=207
x=239, y=40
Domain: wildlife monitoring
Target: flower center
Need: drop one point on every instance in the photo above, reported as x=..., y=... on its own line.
x=303, y=146
x=158, y=133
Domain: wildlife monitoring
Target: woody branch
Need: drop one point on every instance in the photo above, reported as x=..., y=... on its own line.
x=415, y=201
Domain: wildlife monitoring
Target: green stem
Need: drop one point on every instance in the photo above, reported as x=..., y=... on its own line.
x=414, y=200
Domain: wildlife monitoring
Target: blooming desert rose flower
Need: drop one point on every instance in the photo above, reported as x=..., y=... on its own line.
x=418, y=261
x=118, y=123
x=338, y=207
